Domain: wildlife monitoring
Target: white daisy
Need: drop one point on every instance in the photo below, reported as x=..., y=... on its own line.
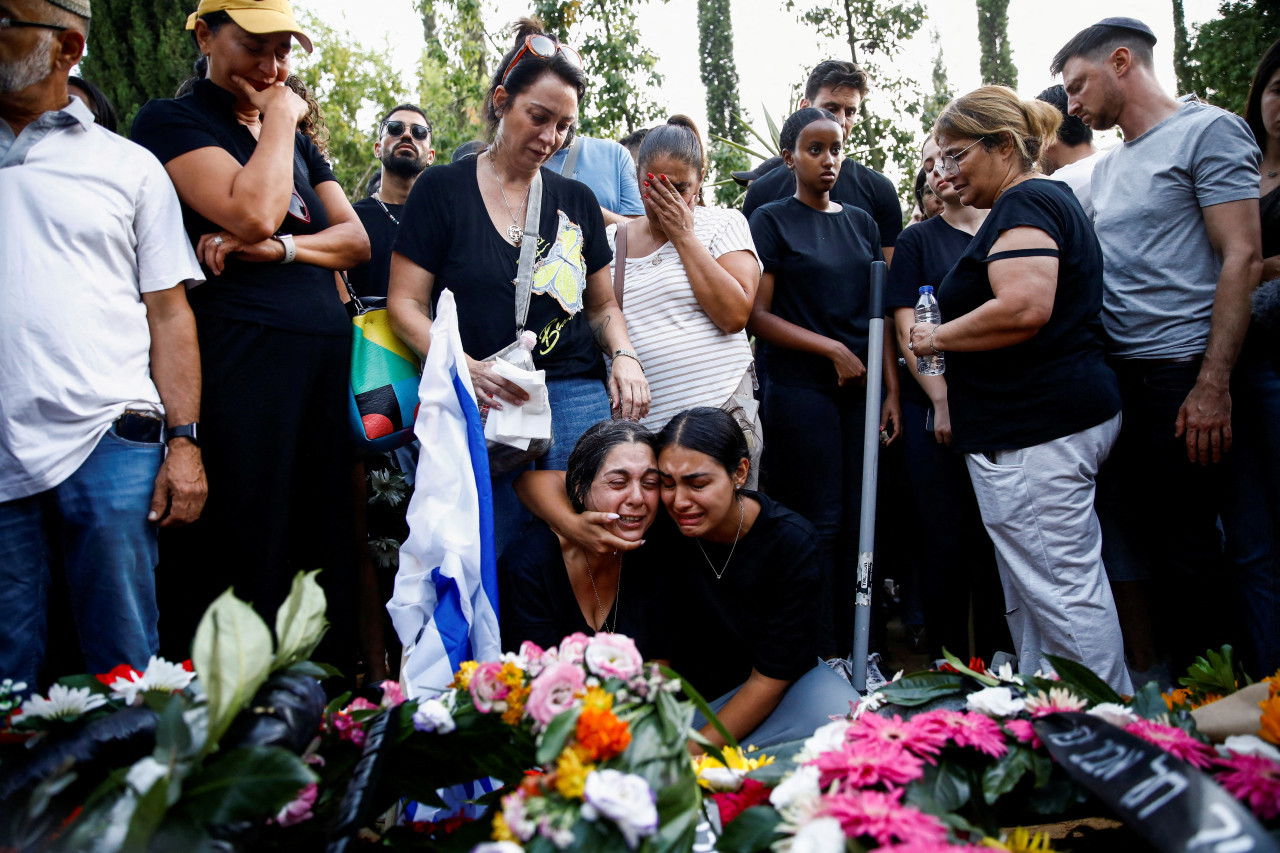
x=64, y=703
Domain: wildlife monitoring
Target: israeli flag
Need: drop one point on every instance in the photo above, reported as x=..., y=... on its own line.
x=445, y=602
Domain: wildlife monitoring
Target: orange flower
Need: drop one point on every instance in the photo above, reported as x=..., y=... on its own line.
x=1269, y=725
x=515, y=705
x=462, y=678
x=601, y=735
x=1181, y=696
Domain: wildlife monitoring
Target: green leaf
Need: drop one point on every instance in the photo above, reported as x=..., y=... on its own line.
x=1081, y=679
x=300, y=622
x=1003, y=776
x=556, y=734
x=922, y=687
x=250, y=784
x=773, y=128
x=148, y=813
x=701, y=704
x=950, y=787
x=740, y=147
x=755, y=829
x=173, y=738
x=1148, y=703
x=964, y=669
x=318, y=671
x=232, y=656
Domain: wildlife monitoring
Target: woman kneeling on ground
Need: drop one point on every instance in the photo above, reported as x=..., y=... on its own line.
x=552, y=586
x=742, y=578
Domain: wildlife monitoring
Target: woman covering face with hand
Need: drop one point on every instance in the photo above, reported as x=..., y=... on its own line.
x=270, y=223
x=552, y=587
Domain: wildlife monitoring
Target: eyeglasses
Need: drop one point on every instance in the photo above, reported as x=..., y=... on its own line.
x=950, y=164
x=298, y=208
x=13, y=23
x=396, y=128
x=543, y=47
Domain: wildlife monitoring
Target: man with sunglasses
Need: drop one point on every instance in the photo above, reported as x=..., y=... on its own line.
x=404, y=149
x=99, y=354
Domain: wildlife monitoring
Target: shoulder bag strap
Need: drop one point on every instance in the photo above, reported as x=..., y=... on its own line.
x=351, y=292
x=619, y=261
x=569, y=169
x=528, y=251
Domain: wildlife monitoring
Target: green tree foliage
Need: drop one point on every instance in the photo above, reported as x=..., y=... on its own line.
x=621, y=70
x=1227, y=50
x=942, y=91
x=720, y=76
x=996, y=63
x=875, y=32
x=454, y=71
x=138, y=49
x=1183, y=67
x=354, y=85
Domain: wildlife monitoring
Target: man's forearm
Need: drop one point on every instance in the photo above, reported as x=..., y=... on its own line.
x=1229, y=321
x=175, y=359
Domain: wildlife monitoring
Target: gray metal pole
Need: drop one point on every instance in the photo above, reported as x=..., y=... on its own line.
x=870, y=472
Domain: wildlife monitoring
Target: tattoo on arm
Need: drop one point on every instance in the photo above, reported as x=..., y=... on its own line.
x=599, y=328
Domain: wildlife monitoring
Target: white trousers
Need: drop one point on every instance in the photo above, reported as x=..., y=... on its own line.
x=1037, y=505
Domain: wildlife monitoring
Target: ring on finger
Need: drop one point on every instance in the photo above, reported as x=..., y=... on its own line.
x=218, y=241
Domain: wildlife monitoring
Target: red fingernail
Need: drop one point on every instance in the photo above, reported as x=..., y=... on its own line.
x=646, y=195
x=646, y=183
x=664, y=177
x=651, y=176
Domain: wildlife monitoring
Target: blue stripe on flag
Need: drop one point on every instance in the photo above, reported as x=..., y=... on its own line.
x=455, y=630
x=484, y=490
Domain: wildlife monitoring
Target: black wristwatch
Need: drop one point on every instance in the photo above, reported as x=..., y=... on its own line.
x=191, y=431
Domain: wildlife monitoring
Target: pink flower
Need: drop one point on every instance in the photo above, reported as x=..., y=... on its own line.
x=348, y=727
x=299, y=809
x=881, y=816
x=1058, y=699
x=923, y=741
x=1254, y=780
x=552, y=692
x=613, y=656
x=573, y=648
x=535, y=659
x=392, y=695
x=865, y=764
x=965, y=729
x=487, y=689
x=1023, y=732
x=1174, y=741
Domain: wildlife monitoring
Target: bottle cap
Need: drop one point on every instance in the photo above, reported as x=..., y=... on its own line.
x=528, y=340
x=928, y=288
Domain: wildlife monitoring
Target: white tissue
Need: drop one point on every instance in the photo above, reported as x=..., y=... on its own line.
x=518, y=425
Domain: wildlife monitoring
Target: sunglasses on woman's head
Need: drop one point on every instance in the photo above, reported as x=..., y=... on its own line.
x=543, y=47
x=396, y=128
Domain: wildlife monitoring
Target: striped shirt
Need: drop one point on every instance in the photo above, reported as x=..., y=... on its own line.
x=687, y=359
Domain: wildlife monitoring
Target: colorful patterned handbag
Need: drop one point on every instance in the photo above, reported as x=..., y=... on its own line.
x=382, y=397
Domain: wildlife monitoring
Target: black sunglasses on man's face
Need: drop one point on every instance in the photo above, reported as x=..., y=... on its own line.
x=396, y=128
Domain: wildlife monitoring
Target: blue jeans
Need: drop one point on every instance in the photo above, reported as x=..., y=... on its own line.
x=94, y=527
x=576, y=404
x=1160, y=513
x=809, y=703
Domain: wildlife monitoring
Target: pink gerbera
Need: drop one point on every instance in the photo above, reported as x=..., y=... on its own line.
x=881, y=815
x=1174, y=741
x=865, y=764
x=965, y=729
x=1252, y=779
x=923, y=741
x=1023, y=732
x=1057, y=700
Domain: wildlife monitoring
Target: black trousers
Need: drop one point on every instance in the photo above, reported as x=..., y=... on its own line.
x=276, y=452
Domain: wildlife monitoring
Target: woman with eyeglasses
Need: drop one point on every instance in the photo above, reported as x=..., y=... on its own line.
x=463, y=230
x=1034, y=406
x=270, y=224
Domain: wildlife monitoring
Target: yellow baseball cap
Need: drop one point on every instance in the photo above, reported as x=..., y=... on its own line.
x=256, y=16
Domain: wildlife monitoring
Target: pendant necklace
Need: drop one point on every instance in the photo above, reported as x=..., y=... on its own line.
x=617, y=598
x=514, y=232
x=378, y=198
x=725, y=567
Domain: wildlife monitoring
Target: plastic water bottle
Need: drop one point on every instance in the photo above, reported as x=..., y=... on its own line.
x=520, y=353
x=927, y=311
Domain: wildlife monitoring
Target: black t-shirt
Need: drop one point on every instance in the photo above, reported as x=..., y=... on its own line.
x=371, y=277
x=298, y=297
x=923, y=255
x=446, y=230
x=857, y=185
x=762, y=612
x=1056, y=383
x=822, y=281
x=538, y=603
x=1269, y=208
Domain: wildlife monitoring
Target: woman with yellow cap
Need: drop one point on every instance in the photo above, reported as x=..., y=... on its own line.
x=269, y=223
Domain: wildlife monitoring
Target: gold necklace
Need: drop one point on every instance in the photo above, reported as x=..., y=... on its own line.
x=617, y=598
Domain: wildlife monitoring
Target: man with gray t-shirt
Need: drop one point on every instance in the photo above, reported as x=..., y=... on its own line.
x=1176, y=214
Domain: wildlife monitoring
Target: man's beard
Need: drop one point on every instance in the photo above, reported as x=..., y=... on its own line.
x=405, y=167
x=30, y=70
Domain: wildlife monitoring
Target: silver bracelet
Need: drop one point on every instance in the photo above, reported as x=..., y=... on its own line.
x=631, y=355
x=932, y=332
